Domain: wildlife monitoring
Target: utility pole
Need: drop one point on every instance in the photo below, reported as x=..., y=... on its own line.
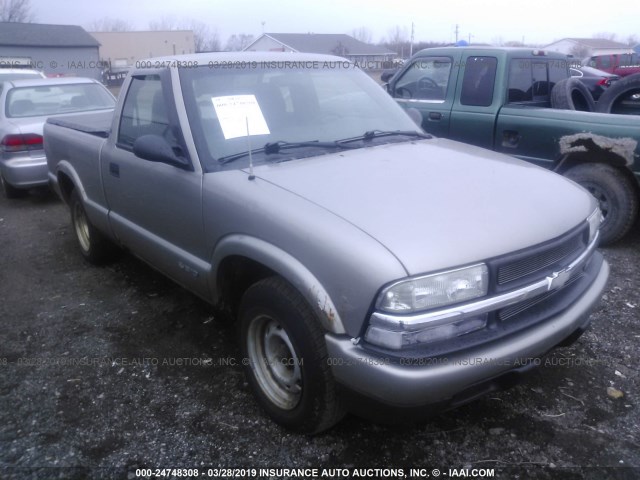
x=411, y=44
x=457, y=28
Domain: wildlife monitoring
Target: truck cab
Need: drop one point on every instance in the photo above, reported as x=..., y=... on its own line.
x=522, y=102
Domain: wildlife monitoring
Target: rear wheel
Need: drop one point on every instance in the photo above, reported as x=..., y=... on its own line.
x=285, y=358
x=616, y=194
x=9, y=190
x=94, y=246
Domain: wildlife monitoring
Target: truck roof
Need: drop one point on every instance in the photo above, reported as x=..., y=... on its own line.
x=506, y=52
x=203, y=59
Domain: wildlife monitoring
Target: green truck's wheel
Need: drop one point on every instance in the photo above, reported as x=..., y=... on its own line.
x=616, y=194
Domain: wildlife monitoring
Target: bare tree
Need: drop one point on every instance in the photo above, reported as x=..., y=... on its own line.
x=632, y=40
x=107, y=24
x=362, y=34
x=18, y=11
x=238, y=42
x=605, y=36
x=397, y=41
x=165, y=23
x=580, y=52
x=205, y=39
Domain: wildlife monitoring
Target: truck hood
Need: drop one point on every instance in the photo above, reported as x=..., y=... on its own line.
x=437, y=203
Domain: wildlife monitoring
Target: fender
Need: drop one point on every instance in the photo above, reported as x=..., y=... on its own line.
x=98, y=214
x=616, y=151
x=285, y=265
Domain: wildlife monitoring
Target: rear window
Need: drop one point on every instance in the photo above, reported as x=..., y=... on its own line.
x=45, y=100
x=8, y=77
x=531, y=80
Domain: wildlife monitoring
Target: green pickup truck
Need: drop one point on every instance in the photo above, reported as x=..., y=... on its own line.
x=503, y=99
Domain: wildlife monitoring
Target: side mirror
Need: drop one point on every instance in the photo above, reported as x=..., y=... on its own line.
x=156, y=149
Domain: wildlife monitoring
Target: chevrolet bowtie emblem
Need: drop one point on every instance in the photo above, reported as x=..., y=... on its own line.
x=558, y=279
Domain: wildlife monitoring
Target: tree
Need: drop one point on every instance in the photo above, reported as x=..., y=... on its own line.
x=397, y=41
x=362, y=34
x=18, y=11
x=606, y=36
x=107, y=24
x=580, y=52
x=206, y=39
x=165, y=23
x=238, y=42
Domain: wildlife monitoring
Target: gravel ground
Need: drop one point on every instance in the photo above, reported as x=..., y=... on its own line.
x=104, y=371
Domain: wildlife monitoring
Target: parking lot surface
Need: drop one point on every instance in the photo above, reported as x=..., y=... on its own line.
x=106, y=371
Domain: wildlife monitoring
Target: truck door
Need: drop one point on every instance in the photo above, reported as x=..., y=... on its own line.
x=524, y=129
x=476, y=105
x=427, y=84
x=155, y=208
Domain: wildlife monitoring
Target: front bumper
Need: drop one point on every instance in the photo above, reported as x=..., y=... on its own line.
x=25, y=171
x=440, y=379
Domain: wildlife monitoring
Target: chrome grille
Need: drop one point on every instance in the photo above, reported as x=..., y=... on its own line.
x=556, y=255
x=512, y=311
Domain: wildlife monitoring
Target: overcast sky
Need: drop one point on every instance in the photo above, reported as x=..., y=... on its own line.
x=539, y=22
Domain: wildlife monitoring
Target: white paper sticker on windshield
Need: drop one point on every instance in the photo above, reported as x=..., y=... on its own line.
x=239, y=113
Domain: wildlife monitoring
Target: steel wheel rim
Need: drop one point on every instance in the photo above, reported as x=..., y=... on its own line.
x=274, y=362
x=82, y=227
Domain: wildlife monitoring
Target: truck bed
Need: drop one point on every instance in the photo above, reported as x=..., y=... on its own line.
x=98, y=124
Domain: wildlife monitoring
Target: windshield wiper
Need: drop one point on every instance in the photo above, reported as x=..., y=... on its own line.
x=277, y=147
x=371, y=134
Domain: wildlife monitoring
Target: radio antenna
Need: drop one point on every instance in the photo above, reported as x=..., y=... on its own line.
x=251, y=175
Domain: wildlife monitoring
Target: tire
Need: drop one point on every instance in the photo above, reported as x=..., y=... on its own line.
x=572, y=94
x=10, y=191
x=94, y=246
x=612, y=98
x=295, y=387
x=616, y=194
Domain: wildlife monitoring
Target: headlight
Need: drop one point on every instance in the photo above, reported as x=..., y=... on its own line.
x=436, y=290
x=594, y=220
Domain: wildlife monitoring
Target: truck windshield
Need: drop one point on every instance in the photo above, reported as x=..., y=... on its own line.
x=284, y=103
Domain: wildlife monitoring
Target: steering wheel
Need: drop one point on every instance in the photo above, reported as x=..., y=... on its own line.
x=427, y=83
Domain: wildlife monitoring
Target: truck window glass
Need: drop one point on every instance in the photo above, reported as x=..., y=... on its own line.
x=144, y=111
x=298, y=105
x=528, y=81
x=426, y=79
x=558, y=71
x=478, y=82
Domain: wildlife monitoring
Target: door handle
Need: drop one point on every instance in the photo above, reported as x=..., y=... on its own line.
x=114, y=169
x=435, y=116
x=510, y=138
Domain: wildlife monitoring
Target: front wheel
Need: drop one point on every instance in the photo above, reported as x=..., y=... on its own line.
x=285, y=358
x=94, y=246
x=616, y=194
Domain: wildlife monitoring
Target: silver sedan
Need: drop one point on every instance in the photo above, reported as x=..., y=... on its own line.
x=25, y=106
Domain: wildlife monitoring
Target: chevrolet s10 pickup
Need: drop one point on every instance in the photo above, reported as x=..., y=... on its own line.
x=524, y=103
x=369, y=266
